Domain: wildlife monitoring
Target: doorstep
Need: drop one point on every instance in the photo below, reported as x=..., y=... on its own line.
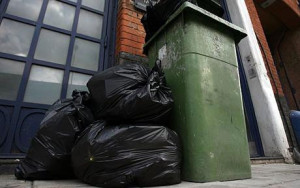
x=267, y=160
x=263, y=175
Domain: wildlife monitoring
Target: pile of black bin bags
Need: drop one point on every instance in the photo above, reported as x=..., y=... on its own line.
x=113, y=137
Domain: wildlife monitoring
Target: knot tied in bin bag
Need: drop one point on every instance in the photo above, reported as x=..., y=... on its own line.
x=158, y=12
x=49, y=155
x=131, y=93
x=127, y=155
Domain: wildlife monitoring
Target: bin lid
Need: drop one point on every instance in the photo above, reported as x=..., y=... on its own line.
x=238, y=32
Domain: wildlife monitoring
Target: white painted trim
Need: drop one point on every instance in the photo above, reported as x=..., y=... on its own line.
x=268, y=117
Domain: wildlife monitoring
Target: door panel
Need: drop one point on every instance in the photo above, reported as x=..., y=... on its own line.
x=5, y=119
x=44, y=85
x=15, y=37
x=16, y=7
x=27, y=126
x=10, y=78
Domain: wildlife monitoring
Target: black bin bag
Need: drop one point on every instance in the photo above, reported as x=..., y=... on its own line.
x=127, y=155
x=49, y=155
x=131, y=93
x=158, y=13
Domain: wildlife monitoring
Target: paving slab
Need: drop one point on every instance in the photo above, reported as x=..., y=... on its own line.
x=60, y=184
x=266, y=175
x=9, y=181
x=269, y=175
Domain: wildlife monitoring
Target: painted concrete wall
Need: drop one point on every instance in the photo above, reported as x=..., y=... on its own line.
x=269, y=121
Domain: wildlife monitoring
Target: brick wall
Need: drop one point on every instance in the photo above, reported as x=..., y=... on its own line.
x=282, y=39
x=272, y=68
x=287, y=11
x=130, y=32
x=289, y=51
x=268, y=59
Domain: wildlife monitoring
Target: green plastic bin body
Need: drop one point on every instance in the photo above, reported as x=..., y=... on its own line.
x=198, y=56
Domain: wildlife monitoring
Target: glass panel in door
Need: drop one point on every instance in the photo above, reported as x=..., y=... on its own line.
x=48, y=48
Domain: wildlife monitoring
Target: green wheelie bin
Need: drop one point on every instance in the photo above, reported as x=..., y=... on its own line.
x=198, y=55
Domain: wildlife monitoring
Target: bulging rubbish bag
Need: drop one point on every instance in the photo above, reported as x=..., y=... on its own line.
x=131, y=93
x=158, y=13
x=49, y=155
x=127, y=155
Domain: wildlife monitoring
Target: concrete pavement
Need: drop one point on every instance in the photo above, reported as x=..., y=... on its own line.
x=263, y=175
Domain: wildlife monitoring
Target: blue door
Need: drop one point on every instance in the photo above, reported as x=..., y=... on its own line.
x=255, y=145
x=48, y=48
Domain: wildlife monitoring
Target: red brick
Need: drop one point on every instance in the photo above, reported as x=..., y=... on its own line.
x=285, y=10
x=131, y=43
x=130, y=18
x=125, y=35
x=124, y=28
x=141, y=28
x=124, y=48
x=138, y=52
